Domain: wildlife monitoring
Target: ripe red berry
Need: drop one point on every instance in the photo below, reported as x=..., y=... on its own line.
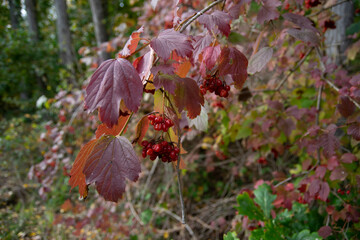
x=157, y=148
x=173, y=155
x=177, y=150
x=150, y=152
x=144, y=143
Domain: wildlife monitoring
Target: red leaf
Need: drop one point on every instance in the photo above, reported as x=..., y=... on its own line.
x=210, y=55
x=304, y=35
x=201, y=42
x=332, y=163
x=168, y=82
x=114, y=130
x=131, y=44
x=77, y=177
x=324, y=191
x=328, y=141
x=346, y=107
x=141, y=129
x=314, y=187
x=143, y=64
x=113, y=81
x=170, y=40
x=112, y=160
x=268, y=11
x=299, y=20
x=338, y=173
x=219, y=19
x=233, y=62
x=287, y=126
x=325, y=231
x=187, y=95
x=354, y=130
x=320, y=171
x=348, y=158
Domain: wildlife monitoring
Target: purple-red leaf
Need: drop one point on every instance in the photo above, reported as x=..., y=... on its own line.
x=346, y=107
x=170, y=40
x=114, y=130
x=141, y=129
x=325, y=231
x=112, y=160
x=210, y=56
x=219, y=19
x=131, y=44
x=338, y=173
x=201, y=42
x=300, y=20
x=354, y=131
x=348, y=158
x=113, y=81
x=187, y=95
x=304, y=35
x=168, y=82
x=234, y=63
x=320, y=171
x=328, y=141
x=259, y=60
x=268, y=11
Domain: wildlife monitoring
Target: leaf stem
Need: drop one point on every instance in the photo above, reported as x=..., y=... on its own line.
x=198, y=14
x=125, y=125
x=138, y=50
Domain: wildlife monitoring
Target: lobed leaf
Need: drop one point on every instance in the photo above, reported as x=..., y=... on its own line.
x=113, y=81
x=300, y=20
x=201, y=42
x=114, y=130
x=234, y=63
x=248, y=208
x=218, y=19
x=112, y=160
x=304, y=35
x=77, y=178
x=264, y=198
x=268, y=11
x=170, y=40
x=141, y=129
x=187, y=95
x=131, y=44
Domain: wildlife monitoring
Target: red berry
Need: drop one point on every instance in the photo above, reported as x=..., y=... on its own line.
x=227, y=88
x=347, y=192
x=164, y=143
x=177, y=150
x=153, y=157
x=144, y=143
x=144, y=153
x=224, y=93
x=157, y=148
x=150, y=152
x=173, y=155
x=151, y=117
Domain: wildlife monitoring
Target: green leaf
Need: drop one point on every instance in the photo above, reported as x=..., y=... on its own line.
x=257, y=234
x=248, y=208
x=231, y=236
x=353, y=28
x=306, y=235
x=264, y=198
x=146, y=216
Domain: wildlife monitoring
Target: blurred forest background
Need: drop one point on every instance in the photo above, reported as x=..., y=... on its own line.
x=49, y=49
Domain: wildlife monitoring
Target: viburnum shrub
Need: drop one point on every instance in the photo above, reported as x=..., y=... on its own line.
x=295, y=126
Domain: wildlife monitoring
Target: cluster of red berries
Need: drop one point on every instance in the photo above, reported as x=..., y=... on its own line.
x=166, y=151
x=311, y=3
x=342, y=192
x=160, y=123
x=214, y=84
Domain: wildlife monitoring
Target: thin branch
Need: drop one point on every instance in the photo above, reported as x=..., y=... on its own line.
x=297, y=65
x=317, y=121
x=125, y=125
x=183, y=220
x=198, y=14
x=176, y=217
x=152, y=171
x=132, y=209
x=332, y=85
x=326, y=8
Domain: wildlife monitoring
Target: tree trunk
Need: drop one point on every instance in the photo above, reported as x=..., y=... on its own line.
x=64, y=36
x=100, y=27
x=32, y=20
x=335, y=39
x=15, y=8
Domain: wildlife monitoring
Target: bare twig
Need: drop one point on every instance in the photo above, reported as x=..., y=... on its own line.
x=332, y=85
x=153, y=168
x=183, y=219
x=317, y=121
x=326, y=8
x=176, y=217
x=73, y=116
x=198, y=14
x=132, y=209
x=297, y=65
